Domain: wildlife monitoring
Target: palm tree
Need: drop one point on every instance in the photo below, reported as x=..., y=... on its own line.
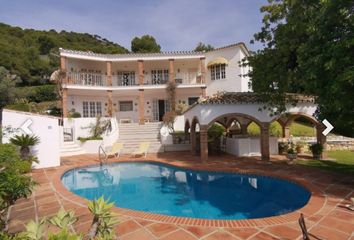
x=25, y=142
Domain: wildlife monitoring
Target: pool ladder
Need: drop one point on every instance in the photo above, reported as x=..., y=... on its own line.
x=102, y=156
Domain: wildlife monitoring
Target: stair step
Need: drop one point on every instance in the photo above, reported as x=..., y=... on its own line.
x=70, y=149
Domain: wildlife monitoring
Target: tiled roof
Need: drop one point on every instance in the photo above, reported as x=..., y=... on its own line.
x=124, y=55
x=249, y=97
x=142, y=55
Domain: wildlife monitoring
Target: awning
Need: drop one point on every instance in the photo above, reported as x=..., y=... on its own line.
x=217, y=61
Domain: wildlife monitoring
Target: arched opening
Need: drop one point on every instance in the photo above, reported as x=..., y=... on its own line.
x=194, y=135
x=299, y=131
x=233, y=142
x=187, y=131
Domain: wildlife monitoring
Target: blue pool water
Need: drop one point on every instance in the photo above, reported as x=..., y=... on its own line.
x=167, y=190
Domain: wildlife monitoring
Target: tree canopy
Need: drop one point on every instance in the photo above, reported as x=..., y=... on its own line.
x=309, y=49
x=7, y=87
x=33, y=54
x=145, y=44
x=201, y=47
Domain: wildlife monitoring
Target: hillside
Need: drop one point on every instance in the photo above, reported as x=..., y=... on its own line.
x=33, y=54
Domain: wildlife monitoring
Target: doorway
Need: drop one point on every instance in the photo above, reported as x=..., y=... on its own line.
x=162, y=106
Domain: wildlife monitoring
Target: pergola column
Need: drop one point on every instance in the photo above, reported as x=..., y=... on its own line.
x=244, y=123
x=109, y=92
x=63, y=67
x=286, y=131
x=322, y=139
x=193, y=140
x=65, y=102
x=202, y=70
x=202, y=75
x=141, y=107
x=141, y=72
x=171, y=70
x=265, y=141
x=64, y=96
x=110, y=103
x=244, y=127
x=204, y=142
x=203, y=89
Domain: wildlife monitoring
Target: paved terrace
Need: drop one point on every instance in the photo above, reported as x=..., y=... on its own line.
x=325, y=215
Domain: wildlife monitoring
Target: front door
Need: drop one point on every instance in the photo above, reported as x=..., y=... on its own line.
x=161, y=109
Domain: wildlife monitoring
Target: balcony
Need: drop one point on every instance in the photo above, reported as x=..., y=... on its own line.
x=86, y=79
x=97, y=79
x=124, y=81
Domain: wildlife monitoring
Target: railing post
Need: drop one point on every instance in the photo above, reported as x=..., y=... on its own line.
x=109, y=73
x=202, y=70
x=141, y=72
x=171, y=70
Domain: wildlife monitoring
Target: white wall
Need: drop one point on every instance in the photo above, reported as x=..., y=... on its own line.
x=81, y=129
x=233, y=81
x=45, y=127
x=208, y=112
x=249, y=146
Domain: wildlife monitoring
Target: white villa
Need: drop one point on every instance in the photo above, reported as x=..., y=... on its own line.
x=129, y=90
x=131, y=87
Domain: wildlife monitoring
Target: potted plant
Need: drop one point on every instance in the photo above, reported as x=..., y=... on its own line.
x=91, y=143
x=283, y=147
x=291, y=153
x=316, y=150
x=300, y=146
x=25, y=141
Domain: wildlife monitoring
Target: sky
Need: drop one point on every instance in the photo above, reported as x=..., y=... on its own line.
x=176, y=24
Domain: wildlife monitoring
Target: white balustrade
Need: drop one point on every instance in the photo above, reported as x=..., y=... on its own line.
x=86, y=79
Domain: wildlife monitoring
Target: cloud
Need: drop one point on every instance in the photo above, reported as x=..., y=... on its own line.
x=177, y=25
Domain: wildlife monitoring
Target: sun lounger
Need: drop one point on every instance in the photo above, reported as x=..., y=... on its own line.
x=351, y=205
x=305, y=234
x=115, y=150
x=142, y=150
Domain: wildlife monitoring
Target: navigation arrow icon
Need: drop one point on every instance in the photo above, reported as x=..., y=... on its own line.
x=25, y=126
x=329, y=127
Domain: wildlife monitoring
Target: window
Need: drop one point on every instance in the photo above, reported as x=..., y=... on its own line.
x=192, y=100
x=218, y=72
x=99, y=108
x=125, y=106
x=126, y=78
x=159, y=76
x=85, y=109
x=91, y=109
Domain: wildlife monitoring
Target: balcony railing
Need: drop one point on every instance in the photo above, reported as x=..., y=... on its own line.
x=121, y=81
x=188, y=78
x=95, y=79
x=86, y=79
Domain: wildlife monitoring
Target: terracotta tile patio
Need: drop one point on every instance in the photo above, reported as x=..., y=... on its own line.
x=325, y=215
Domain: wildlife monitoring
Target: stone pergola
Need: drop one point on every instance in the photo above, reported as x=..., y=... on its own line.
x=245, y=108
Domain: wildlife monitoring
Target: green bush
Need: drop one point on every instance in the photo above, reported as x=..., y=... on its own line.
x=84, y=139
x=24, y=107
x=42, y=93
x=102, y=226
x=14, y=184
x=215, y=131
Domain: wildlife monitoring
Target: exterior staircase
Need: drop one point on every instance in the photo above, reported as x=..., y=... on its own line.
x=132, y=134
x=70, y=149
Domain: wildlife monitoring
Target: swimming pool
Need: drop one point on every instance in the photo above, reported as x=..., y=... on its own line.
x=163, y=189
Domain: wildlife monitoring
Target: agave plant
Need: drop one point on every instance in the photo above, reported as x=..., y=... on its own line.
x=63, y=219
x=25, y=141
x=103, y=219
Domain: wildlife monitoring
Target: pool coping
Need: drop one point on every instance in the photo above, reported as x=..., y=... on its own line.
x=316, y=202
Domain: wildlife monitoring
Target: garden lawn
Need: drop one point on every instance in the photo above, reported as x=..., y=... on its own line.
x=344, y=162
x=297, y=129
